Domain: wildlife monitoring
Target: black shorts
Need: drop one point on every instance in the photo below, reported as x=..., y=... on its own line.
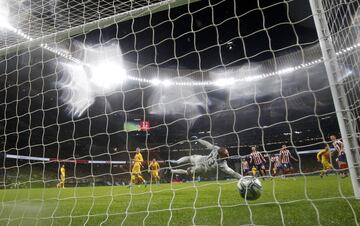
x=260, y=167
x=287, y=165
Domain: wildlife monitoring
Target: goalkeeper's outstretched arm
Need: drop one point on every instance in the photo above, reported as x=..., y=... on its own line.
x=207, y=144
x=226, y=169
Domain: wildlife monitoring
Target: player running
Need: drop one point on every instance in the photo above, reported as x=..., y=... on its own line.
x=323, y=156
x=341, y=159
x=258, y=161
x=154, y=168
x=285, y=156
x=61, y=184
x=136, y=177
x=202, y=164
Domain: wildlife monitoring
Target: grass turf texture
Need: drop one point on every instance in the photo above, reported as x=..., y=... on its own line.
x=304, y=201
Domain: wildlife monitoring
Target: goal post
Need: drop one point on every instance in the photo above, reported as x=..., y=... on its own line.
x=343, y=111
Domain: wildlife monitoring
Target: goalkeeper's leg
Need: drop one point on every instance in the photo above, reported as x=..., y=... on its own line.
x=188, y=171
x=181, y=160
x=179, y=171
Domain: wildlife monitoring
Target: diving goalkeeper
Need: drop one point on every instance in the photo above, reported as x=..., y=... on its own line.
x=203, y=164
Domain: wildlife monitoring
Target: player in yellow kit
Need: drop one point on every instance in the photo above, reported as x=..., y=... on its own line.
x=61, y=184
x=323, y=156
x=154, y=168
x=136, y=177
x=254, y=171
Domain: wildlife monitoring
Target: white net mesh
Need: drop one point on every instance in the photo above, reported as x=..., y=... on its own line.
x=83, y=83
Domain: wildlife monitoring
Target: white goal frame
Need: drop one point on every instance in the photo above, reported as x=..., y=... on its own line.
x=343, y=113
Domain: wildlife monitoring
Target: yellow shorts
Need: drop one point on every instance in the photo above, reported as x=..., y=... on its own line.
x=326, y=165
x=62, y=179
x=154, y=173
x=136, y=169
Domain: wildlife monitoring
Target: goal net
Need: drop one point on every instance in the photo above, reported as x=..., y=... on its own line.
x=86, y=85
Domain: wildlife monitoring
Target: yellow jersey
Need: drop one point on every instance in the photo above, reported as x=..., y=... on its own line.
x=138, y=158
x=154, y=166
x=253, y=170
x=62, y=171
x=323, y=155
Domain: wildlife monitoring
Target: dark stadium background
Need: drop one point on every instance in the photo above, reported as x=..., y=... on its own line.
x=38, y=123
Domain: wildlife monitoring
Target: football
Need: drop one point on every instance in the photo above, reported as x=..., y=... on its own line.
x=249, y=187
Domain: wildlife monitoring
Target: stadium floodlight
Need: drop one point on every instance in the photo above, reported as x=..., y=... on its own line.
x=107, y=75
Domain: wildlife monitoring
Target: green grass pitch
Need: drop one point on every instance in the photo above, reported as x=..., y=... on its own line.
x=301, y=201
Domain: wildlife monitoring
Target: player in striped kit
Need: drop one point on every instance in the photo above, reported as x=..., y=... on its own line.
x=285, y=156
x=341, y=159
x=258, y=160
x=203, y=164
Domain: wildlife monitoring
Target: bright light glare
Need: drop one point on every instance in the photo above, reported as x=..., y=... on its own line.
x=348, y=72
x=76, y=89
x=155, y=81
x=252, y=78
x=4, y=15
x=167, y=83
x=286, y=70
x=4, y=23
x=107, y=75
x=224, y=82
x=99, y=74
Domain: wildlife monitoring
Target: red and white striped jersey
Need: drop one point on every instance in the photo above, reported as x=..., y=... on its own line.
x=339, y=146
x=257, y=158
x=285, y=156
